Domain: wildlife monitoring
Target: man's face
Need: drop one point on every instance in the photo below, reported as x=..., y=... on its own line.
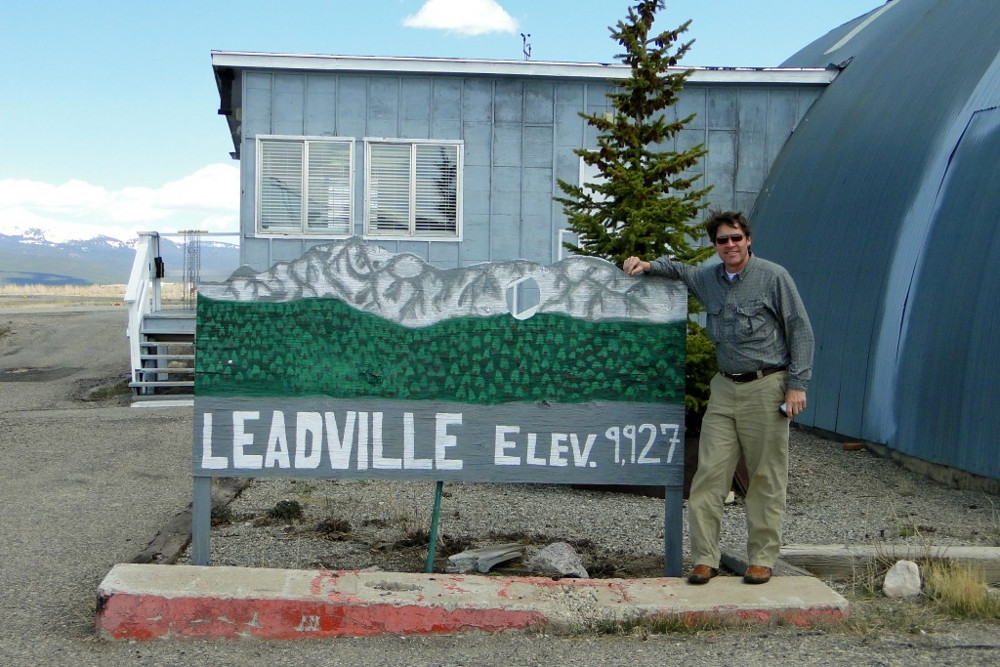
x=733, y=253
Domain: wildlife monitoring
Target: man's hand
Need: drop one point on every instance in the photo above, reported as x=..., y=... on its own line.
x=795, y=402
x=634, y=266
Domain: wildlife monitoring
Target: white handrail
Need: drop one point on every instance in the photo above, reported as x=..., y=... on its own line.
x=142, y=294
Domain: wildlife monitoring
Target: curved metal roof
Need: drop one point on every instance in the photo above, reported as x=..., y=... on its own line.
x=884, y=207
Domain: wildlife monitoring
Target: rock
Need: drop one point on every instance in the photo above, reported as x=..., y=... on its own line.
x=483, y=559
x=558, y=559
x=902, y=580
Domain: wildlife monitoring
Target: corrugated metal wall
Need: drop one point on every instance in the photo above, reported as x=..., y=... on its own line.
x=883, y=207
x=519, y=134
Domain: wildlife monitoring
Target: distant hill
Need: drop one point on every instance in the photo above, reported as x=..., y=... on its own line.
x=30, y=258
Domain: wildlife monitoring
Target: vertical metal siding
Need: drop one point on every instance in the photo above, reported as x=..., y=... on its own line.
x=416, y=107
x=752, y=126
x=384, y=102
x=519, y=136
x=853, y=208
x=287, y=103
x=320, y=106
x=948, y=407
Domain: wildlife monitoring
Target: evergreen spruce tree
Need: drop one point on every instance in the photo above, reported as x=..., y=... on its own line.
x=645, y=202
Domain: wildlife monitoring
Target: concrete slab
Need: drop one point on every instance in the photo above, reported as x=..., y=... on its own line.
x=137, y=602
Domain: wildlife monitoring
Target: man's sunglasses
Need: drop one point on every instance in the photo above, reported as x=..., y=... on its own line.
x=723, y=240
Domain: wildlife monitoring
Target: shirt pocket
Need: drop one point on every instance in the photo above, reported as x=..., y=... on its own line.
x=714, y=322
x=753, y=322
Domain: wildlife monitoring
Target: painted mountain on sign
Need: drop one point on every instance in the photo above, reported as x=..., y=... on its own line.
x=404, y=289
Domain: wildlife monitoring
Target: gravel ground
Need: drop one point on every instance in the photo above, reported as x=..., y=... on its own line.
x=835, y=496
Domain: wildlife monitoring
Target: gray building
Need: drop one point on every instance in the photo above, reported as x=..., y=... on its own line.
x=884, y=206
x=457, y=161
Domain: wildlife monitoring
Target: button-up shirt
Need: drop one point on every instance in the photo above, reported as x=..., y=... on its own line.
x=756, y=321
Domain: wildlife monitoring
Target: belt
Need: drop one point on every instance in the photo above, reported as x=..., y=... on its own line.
x=754, y=375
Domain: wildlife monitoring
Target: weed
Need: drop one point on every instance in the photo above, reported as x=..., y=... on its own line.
x=334, y=528
x=111, y=391
x=867, y=581
x=959, y=590
x=5, y=331
x=647, y=626
x=286, y=510
x=449, y=545
x=993, y=531
x=222, y=515
x=415, y=537
x=882, y=616
x=303, y=488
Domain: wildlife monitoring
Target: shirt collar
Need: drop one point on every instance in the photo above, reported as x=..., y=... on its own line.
x=748, y=267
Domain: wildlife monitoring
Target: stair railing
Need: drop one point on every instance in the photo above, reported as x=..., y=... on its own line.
x=143, y=292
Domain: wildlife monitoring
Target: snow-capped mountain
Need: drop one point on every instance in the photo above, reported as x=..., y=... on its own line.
x=39, y=256
x=405, y=289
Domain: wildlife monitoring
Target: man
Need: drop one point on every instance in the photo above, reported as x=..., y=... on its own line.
x=764, y=346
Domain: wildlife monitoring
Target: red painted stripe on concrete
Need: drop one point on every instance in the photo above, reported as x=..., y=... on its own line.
x=140, y=602
x=141, y=617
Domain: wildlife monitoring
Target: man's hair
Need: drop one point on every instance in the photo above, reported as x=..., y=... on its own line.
x=731, y=218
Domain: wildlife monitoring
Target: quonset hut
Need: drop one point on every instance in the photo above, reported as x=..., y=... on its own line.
x=884, y=205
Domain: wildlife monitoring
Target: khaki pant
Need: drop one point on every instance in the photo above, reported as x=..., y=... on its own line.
x=741, y=418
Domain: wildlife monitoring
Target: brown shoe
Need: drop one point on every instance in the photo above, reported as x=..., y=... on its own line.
x=757, y=574
x=701, y=574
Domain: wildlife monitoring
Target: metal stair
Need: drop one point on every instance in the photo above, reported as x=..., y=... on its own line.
x=166, y=355
x=161, y=332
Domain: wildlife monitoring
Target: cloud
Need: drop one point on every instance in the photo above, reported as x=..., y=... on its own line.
x=466, y=17
x=208, y=199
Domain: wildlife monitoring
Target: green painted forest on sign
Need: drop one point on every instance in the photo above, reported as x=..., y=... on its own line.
x=325, y=347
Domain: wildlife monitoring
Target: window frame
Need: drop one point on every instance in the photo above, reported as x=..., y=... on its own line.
x=303, y=231
x=412, y=233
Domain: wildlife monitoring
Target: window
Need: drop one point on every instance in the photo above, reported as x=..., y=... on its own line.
x=412, y=189
x=317, y=171
x=589, y=175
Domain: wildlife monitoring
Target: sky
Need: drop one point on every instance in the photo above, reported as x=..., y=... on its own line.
x=108, y=108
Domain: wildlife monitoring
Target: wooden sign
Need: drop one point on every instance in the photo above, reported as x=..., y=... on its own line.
x=353, y=362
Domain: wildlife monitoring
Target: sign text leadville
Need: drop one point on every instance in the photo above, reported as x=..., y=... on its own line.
x=592, y=443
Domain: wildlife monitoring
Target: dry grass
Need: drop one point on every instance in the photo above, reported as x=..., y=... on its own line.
x=27, y=295
x=959, y=590
x=110, y=291
x=645, y=627
x=950, y=589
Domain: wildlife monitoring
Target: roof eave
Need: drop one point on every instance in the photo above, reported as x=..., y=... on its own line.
x=529, y=68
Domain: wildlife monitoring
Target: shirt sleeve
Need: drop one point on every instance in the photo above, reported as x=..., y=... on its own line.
x=798, y=333
x=693, y=277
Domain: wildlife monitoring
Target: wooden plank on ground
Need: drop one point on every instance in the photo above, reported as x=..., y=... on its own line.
x=842, y=562
x=738, y=562
x=174, y=537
